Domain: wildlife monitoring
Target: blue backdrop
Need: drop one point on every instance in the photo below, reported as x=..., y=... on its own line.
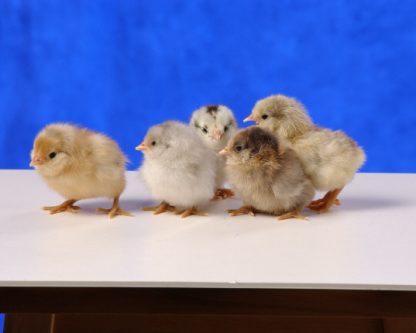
x=121, y=66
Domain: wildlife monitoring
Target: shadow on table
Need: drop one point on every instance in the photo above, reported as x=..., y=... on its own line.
x=368, y=203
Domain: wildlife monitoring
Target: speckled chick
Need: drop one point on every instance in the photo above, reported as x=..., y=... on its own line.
x=266, y=175
x=178, y=169
x=329, y=158
x=79, y=164
x=215, y=124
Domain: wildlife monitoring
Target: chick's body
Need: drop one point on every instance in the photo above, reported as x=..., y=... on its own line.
x=78, y=164
x=266, y=175
x=178, y=168
x=329, y=158
x=215, y=125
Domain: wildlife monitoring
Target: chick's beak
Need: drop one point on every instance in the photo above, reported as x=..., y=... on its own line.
x=141, y=147
x=36, y=160
x=249, y=118
x=217, y=134
x=225, y=151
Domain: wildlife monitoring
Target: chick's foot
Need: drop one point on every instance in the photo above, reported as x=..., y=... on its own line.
x=115, y=210
x=222, y=193
x=292, y=215
x=324, y=204
x=159, y=209
x=190, y=211
x=244, y=210
x=67, y=206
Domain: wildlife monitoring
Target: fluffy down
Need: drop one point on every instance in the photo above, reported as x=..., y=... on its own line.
x=178, y=168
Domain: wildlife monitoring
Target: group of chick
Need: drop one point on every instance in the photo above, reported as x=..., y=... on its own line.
x=275, y=167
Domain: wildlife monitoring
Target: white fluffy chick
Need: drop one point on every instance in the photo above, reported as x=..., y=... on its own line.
x=329, y=158
x=215, y=124
x=178, y=169
x=267, y=175
x=79, y=164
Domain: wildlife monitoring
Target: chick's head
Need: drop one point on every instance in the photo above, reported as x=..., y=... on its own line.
x=215, y=124
x=252, y=147
x=51, y=152
x=161, y=141
x=282, y=115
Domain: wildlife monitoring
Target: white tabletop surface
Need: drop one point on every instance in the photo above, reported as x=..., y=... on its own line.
x=369, y=242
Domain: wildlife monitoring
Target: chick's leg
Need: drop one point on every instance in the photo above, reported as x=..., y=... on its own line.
x=292, y=215
x=244, y=210
x=190, y=211
x=161, y=208
x=324, y=204
x=114, y=210
x=66, y=206
x=223, y=193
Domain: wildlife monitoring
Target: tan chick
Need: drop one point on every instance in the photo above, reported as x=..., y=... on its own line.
x=329, y=158
x=266, y=175
x=79, y=164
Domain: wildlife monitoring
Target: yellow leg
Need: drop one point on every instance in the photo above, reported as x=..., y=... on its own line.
x=66, y=206
x=292, y=215
x=324, y=204
x=244, y=210
x=222, y=193
x=115, y=210
x=159, y=209
x=190, y=211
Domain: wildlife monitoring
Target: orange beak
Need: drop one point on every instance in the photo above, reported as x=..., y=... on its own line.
x=141, y=147
x=36, y=160
x=217, y=134
x=249, y=118
x=225, y=151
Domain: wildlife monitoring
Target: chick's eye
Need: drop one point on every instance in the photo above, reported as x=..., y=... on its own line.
x=52, y=155
x=153, y=143
x=225, y=128
x=265, y=116
x=238, y=148
x=205, y=130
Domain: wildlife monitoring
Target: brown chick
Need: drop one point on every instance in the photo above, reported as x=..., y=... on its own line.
x=329, y=158
x=79, y=164
x=266, y=175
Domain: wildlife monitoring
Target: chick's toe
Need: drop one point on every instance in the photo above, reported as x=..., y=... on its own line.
x=67, y=206
x=222, y=193
x=190, y=211
x=159, y=209
x=244, y=210
x=292, y=215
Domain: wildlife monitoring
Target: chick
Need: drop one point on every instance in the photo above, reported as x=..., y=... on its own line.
x=267, y=175
x=79, y=164
x=215, y=124
x=329, y=158
x=178, y=169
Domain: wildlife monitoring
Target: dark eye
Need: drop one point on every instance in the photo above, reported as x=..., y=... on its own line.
x=52, y=155
x=225, y=128
x=238, y=148
x=153, y=143
x=205, y=130
x=265, y=116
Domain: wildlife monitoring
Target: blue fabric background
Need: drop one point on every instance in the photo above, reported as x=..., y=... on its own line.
x=122, y=66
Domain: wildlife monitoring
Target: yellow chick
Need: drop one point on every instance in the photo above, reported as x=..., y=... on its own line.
x=329, y=158
x=79, y=164
x=267, y=175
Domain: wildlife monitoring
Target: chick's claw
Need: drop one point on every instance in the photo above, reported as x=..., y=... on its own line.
x=292, y=215
x=242, y=211
x=223, y=193
x=324, y=204
x=159, y=209
x=114, y=211
x=67, y=206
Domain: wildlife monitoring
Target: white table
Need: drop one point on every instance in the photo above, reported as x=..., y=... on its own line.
x=367, y=243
